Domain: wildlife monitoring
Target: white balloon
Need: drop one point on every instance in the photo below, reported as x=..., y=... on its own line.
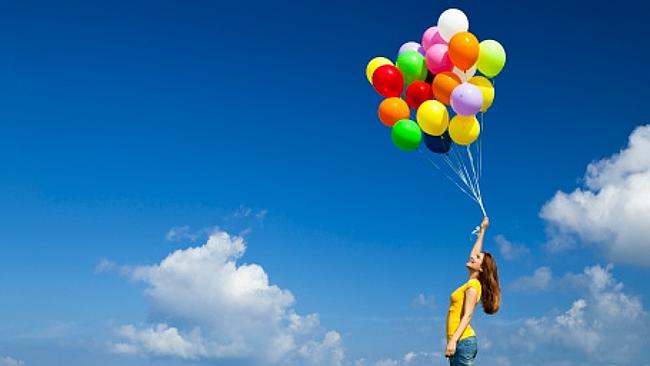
x=452, y=21
x=465, y=75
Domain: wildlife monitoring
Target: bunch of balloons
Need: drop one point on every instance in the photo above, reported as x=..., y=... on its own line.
x=432, y=75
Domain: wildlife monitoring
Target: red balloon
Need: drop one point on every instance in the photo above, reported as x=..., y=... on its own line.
x=388, y=81
x=417, y=93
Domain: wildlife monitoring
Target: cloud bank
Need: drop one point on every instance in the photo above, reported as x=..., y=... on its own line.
x=605, y=326
x=8, y=361
x=207, y=306
x=612, y=211
x=540, y=280
x=508, y=250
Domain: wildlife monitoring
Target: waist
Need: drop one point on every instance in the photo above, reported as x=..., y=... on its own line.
x=452, y=326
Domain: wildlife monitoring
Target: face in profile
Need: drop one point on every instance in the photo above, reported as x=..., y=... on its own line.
x=475, y=261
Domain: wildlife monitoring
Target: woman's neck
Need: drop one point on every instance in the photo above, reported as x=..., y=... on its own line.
x=473, y=275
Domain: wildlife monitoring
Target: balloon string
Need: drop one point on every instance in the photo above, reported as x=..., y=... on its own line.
x=459, y=174
x=460, y=168
x=467, y=180
x=475, y=176
x=478, y=186
x=475, y=191
x=461, y=163
x=446, y=175
x=456, y=169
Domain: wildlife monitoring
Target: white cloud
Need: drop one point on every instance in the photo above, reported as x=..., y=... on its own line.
x=243, y=212
x=410, y=359
x=605, y=326
x=210, y=307
x=184, y=233
x=508, y=250
x=178, y=233
x=261, y=214
x=105, y=265
x=424, y=301
x=540, y=280
x=326, y=352
x=387, y=362
x=612, y=211
x=8, y=361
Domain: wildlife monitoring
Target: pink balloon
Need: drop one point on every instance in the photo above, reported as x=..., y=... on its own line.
x=438, y=59
x=430, y=37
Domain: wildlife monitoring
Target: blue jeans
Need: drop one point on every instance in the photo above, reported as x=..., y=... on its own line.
x=465, y=355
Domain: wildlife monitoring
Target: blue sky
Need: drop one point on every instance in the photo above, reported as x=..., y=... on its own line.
x=124, y=121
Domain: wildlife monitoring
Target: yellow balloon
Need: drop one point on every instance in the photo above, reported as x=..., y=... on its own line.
x=374, y=64
x=464, y=130
x=433, y=118
x=486, y=89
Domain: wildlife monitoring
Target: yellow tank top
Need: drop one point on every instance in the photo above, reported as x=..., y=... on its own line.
x=456, y=309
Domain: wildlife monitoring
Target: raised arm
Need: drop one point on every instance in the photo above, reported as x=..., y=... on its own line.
x=478, y=245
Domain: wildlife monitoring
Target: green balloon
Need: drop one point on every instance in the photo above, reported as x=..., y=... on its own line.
x=412, y=65
x=406, y=135
x=491, y=58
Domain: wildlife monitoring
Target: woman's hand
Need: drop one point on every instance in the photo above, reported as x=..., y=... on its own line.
x=450, y=350
x=485, y=223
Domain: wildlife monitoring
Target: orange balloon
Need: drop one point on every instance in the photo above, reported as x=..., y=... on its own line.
x=392, y=110
x=443, y=84
x=463, y=50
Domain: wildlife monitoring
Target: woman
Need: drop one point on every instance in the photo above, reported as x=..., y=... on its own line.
x=483, y=284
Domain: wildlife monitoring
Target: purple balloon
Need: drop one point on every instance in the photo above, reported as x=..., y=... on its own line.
x=411, y=46
x=430, y=37
x=466, y=99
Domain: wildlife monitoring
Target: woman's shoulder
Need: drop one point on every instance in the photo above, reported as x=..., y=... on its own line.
x=473, y=282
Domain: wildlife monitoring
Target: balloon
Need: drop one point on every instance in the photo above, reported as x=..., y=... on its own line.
x=452, y=21
x=464, y=75
x=374, y=64
x=430, y=37
x=411, y=46
x=438, y=59
x=443, y=84
x=392, y=110
x=412, y=66
x=491, y=58
x=466, y=99
x=437, y=144
x=406, y=135
x=464, y=129
x=463, y=50
x=388, y=81
x=486, y=89
x=432, y=117
x=417, y=93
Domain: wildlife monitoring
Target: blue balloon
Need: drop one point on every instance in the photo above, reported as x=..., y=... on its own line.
x=438, y=144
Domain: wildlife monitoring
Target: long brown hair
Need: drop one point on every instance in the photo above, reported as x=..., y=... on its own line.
x=489, y=279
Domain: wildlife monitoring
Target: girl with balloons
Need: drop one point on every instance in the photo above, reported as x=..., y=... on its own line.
x=428, y=78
